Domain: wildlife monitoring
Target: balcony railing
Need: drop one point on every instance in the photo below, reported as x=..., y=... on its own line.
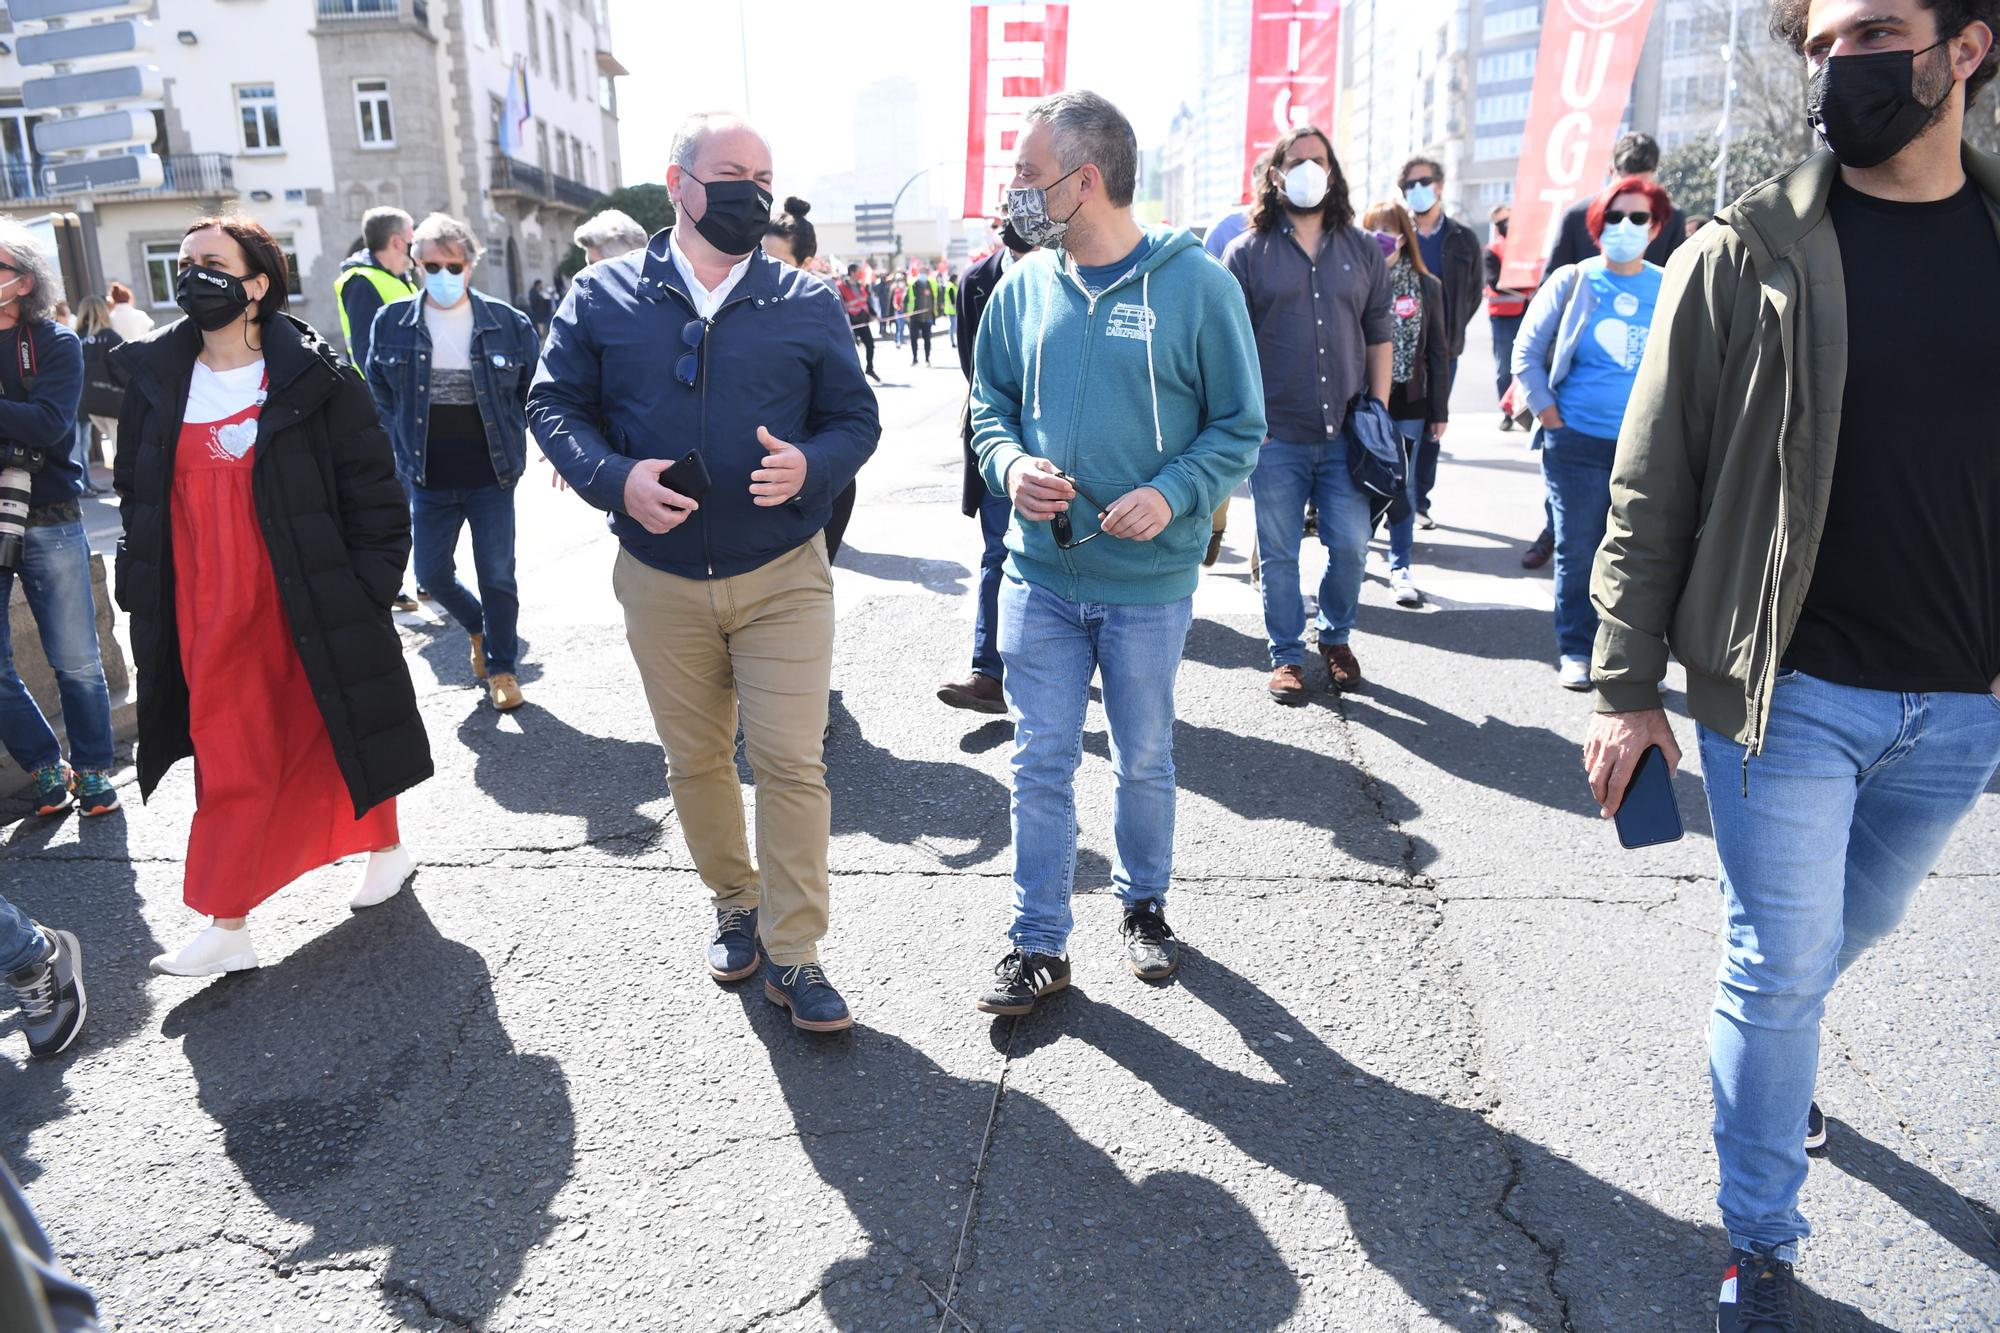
x=186, y=174
x=511, y=175
x=339, y=11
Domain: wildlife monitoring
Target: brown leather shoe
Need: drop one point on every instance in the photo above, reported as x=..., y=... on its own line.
x=979, y=693
x=505, y=691
x=479, y=657
x=1341, y=666
x=1540, y=552
x=1288, y=685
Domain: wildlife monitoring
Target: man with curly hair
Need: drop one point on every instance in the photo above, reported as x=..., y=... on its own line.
x=1803, y=508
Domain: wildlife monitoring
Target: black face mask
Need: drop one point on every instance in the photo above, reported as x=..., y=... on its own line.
x=1867, y=108
x=1012, y=239
x=212, y=299
x=738, y=215
x=1501, y=226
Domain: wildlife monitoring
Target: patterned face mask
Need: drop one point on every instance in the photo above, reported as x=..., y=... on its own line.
x=1028, y=210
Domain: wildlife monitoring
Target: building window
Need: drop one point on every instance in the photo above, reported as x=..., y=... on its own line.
x=607, y=95
x=534, y=40
x=1507, y=65
x=1492, y=147
x=294, y=289
x=257, y=104
x=1507, y=22
x=542, y=143
x=371, y=113
x=163, y=271
x=1503, y=108
x=549, y=22
x=562, y=154
x=491, y=15
x=569, y=63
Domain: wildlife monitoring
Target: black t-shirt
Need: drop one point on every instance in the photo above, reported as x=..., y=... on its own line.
x=1906, y=590
x=455, y=454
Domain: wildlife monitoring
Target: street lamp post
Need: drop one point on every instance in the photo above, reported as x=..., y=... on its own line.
x=1728, y=104
x=899, y=198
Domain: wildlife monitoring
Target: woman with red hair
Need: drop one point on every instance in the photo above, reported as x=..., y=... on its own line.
x=1577, y=354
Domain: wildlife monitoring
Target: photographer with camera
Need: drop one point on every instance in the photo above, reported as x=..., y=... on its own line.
x=42, y=539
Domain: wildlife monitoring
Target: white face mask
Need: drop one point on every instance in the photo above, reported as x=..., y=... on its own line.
x=1305, y=186
x=1624, y=242
x=9, y=298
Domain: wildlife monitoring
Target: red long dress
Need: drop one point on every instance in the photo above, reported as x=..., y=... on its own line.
x=270, y=803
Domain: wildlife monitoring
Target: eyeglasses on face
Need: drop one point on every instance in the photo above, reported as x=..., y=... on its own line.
x=688, y=369
x=1414, y=181
x=454, y=267
x=1613, y=216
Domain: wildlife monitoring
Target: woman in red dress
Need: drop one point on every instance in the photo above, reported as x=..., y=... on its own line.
x=262, y=520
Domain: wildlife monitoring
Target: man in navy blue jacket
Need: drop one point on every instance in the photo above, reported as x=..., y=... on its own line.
x=703, y=355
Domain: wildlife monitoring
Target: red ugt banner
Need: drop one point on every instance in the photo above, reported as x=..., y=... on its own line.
x=1019, y=56
x=1294, y=60
x=1583, y=76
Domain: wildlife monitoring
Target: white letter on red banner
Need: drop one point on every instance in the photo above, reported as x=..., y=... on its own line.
x=1294, y=59
x=1019, y=56
x=1583, y=76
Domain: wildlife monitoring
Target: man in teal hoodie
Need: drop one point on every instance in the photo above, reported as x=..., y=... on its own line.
x=1116, y=400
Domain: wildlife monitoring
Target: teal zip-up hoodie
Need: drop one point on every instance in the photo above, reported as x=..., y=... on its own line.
x=1151, y=382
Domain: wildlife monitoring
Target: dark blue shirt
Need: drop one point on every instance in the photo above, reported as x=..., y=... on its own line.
x=1099, y=276
x=44, y=417
x=1431, y=247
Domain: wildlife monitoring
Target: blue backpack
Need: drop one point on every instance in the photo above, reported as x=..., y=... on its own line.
x=1375, y=457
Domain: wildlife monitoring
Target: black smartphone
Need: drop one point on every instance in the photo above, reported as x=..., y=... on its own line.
x=689, y=476
x=1649, y=814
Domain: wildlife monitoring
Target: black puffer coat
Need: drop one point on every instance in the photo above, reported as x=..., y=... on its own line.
x=337, y=525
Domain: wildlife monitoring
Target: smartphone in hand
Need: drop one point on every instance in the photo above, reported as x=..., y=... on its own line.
x=689, y=476
x=1649, y=814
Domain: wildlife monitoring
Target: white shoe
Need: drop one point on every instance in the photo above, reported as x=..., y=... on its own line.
x=1405, y=588
x=1575, y=673
x=383, y=877
x=208, y=954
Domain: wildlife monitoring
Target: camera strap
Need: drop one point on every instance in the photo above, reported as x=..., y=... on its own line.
x=24, y=352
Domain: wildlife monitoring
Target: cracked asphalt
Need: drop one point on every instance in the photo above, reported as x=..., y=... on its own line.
x=1435, y=1060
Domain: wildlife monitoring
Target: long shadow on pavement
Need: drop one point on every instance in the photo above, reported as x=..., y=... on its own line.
x=939, y=576
x=1970, y=1224
x=1406, y=1166
x=95, y=895
x=899, y=1138
x=912, y=801
x=367, y=1091
x=551, y=768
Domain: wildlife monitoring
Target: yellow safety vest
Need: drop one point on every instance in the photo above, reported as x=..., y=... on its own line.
x=387, y=286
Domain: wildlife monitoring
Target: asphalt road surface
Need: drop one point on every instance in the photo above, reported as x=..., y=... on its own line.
x=1435, y=1060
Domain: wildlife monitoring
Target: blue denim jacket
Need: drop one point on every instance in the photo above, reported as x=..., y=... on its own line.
x=504, y=351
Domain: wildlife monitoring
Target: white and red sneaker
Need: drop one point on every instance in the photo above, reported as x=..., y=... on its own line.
x=1759, y=1295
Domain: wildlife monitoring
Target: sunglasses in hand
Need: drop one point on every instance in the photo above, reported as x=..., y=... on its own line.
x=1060, y=527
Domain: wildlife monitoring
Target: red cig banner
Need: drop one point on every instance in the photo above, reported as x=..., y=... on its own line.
x=1294, y=63
x=1583, y=76
x=1020, y=54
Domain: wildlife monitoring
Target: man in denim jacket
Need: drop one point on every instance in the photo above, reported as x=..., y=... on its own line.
x=449, y=368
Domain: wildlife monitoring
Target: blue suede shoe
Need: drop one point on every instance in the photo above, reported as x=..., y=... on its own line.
x=732, y=950
x=803, y=988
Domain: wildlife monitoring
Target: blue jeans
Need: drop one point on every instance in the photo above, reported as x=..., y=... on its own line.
x=1850, y=804
x=55, y=574
x=1577, y=471
x=1505, y=329
x=1403, y=509
x=436, y=516
x=995, y=511
x=1287, y=476
x=80, y=451
x=1052, y=648
x=21, y=945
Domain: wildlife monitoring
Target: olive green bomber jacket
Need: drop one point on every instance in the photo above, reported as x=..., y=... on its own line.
x=1724, y=468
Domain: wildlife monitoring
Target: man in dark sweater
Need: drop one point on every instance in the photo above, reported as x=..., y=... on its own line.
x=41, y=381
x=1454, y=254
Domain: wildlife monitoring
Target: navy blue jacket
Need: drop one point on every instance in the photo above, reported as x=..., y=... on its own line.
x=45, y=417
x=777, y=354
x=503, y=362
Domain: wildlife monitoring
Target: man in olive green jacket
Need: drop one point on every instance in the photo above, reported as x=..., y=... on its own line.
x=1803, y=507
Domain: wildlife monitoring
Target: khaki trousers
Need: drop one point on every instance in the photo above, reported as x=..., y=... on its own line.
x=761, y=641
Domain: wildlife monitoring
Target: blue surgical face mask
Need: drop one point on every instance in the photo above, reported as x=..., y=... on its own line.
x=1624, y=242
x=1421, y=198
x=445, y=287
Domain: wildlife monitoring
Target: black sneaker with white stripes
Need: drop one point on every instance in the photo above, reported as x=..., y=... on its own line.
x=1759, y=1295
x=1815, y=1129
x=1020, y=979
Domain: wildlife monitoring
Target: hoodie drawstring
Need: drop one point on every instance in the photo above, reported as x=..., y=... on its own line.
x=1048, y=313
x=1152, y=383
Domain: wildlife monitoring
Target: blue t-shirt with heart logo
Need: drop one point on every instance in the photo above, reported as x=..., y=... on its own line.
x=1593, y=395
